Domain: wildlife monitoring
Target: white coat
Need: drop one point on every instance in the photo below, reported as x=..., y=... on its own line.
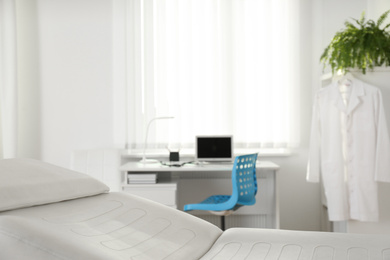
x=350, y=149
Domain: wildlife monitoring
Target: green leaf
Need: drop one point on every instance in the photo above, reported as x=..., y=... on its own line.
x=363, y=46
x=383, y=17
x=363, y=17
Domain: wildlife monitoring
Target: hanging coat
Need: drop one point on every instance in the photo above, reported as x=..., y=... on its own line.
x=350, y=149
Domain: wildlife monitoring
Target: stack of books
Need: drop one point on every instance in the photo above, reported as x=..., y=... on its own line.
x=141, y=178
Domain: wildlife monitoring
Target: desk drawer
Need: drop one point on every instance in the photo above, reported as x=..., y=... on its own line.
x=164, y=194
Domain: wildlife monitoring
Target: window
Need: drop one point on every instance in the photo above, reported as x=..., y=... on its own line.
x=217, y=66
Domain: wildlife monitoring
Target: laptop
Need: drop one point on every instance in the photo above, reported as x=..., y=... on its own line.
x=217, y=148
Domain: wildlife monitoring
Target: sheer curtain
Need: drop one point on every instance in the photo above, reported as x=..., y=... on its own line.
x=217, y=66
x=8, y=89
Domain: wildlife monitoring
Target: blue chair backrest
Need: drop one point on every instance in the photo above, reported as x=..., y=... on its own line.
x=244, y=180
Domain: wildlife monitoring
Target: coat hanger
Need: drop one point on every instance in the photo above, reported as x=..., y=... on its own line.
x=342, y=78
x=344, y=82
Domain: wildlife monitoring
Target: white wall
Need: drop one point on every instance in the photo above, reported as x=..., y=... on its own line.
x=328, y=18
x=66, y=63
x=69, y=46
x=299, y=207
x=29, y=94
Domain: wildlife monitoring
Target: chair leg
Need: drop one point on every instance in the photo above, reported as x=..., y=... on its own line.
x=223, y=223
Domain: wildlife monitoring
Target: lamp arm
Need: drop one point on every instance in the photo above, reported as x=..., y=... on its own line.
x=147, y=133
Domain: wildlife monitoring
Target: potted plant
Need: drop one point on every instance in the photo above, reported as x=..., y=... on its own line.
x=362, y=46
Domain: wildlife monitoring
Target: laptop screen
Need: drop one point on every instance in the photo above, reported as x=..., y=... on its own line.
x=214, y=148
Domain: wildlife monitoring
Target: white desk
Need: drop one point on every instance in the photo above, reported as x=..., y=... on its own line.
x=192, y=183
x=158, y=167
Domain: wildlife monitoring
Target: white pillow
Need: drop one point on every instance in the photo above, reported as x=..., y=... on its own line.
x=28, y=182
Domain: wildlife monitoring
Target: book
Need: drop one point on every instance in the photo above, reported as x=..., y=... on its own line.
x=139, y=178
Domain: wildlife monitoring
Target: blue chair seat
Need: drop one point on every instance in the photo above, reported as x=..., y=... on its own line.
x=244, y=189
x=212, y=203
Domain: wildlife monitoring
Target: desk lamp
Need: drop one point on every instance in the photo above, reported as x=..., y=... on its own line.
x=144, y=160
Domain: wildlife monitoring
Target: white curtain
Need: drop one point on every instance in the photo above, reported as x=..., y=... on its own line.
x=8, y=82
x=217, y=66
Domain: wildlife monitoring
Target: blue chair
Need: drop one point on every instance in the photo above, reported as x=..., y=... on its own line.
x=244, y=189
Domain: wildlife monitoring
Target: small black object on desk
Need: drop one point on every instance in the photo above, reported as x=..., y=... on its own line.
x=174, y=156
